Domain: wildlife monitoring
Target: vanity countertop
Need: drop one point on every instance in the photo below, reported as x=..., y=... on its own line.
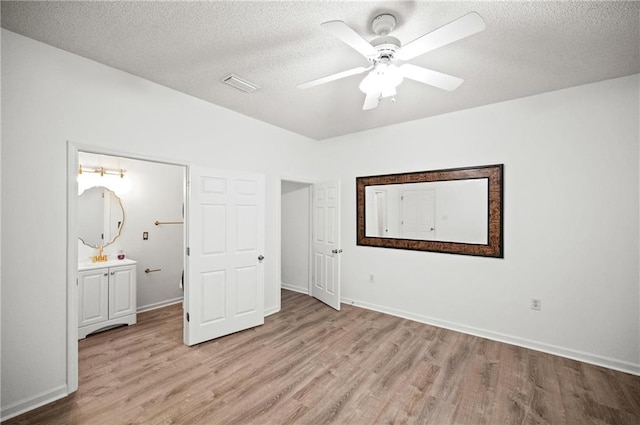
x=104, y=264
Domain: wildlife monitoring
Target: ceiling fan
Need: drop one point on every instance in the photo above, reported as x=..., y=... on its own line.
x=388, y=57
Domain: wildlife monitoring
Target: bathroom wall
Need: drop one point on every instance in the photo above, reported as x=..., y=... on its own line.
x=154, y=191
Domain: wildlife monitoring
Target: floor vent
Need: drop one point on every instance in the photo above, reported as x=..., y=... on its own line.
x=239, y=83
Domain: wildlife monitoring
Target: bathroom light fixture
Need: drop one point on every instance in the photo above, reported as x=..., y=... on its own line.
x=112, y=179
x=101, y=170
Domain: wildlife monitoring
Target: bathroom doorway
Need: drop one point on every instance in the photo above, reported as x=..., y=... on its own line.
x=150, y=231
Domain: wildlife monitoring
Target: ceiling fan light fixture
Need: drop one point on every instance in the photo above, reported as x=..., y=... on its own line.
x=382, y=79
x=385, y=51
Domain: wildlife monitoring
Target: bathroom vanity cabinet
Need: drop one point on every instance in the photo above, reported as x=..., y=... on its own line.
x=106, y=295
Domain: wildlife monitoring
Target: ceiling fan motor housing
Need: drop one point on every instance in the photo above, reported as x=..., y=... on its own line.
x=383, y=24
x=387, y=47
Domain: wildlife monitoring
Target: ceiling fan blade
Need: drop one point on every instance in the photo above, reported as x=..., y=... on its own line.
x=333, y=77
x=467, y=25
x=371, y=101
x=344, y=32
x=428, y=76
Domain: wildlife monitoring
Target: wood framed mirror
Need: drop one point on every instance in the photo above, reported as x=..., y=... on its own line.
x=454, y=211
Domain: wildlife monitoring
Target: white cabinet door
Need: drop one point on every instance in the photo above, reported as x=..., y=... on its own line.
x=122, y=291
x=224, y=290
x=326, y=243
x=93, y=289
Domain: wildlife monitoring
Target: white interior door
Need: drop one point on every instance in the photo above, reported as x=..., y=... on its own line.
x=224, y=291
x=418, y=214
x=326, y=243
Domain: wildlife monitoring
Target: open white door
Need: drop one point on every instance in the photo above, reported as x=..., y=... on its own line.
x=224, y=290
x=326, y=243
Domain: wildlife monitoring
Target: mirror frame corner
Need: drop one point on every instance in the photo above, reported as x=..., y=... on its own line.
x=495, y=175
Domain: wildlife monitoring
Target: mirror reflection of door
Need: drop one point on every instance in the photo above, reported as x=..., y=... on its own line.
x=380, y=199
x=418, y=214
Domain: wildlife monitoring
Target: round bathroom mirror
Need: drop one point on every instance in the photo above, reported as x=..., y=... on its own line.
x=100, y=217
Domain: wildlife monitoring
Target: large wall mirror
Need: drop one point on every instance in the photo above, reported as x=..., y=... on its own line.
x=100, y=217
x=456, y=211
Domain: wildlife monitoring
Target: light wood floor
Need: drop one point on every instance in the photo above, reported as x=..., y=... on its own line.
x=311, y=365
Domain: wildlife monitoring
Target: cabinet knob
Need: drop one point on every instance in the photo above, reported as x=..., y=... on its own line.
x=106, y=274
x=112, y=273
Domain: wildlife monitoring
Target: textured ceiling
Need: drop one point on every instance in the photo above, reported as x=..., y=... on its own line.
x=527, y=48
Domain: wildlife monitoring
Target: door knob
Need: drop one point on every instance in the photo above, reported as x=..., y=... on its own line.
x=260, y=257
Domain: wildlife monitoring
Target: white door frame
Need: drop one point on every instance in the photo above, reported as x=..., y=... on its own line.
x=310, y=229
x=72, y=242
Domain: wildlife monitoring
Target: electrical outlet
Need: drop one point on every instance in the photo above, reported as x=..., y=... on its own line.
x=536, y=304
x=371, y=278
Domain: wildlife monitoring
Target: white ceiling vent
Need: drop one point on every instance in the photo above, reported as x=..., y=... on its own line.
x=239, y=83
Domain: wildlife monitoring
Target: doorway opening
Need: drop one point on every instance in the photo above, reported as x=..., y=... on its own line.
x=141, y=192
x=310, y=239
x=147, y=193
x=296, y=233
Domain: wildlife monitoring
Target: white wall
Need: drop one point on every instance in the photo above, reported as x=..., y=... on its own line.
x=570, y=222
x=295, y=214
x=156, y=192
x=49, y=97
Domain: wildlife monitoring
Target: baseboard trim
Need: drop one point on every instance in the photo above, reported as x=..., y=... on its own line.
x=23, y=406
x=295, y=288
x=270, y=311
x=610, y=363
x=160, y=304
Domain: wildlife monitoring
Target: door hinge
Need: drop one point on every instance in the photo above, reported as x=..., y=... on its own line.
x=187, y=317
x=188, y=251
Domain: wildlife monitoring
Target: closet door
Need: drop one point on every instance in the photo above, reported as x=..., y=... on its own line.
x=326, y=243
x=224, y=291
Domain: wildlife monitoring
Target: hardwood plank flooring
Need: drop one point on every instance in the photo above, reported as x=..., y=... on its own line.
x=309, y=364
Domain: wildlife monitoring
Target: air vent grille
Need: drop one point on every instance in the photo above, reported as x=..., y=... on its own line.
x=239, y=83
